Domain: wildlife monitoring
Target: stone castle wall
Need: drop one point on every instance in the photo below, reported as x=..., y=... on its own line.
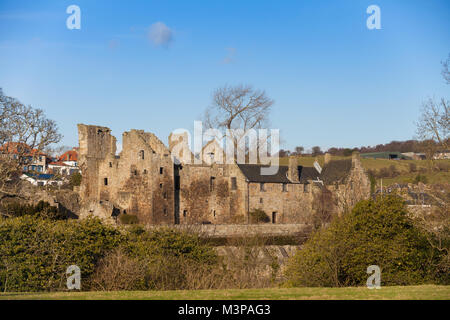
x=146, y=181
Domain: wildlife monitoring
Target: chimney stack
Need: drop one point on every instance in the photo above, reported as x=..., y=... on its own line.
x=355, y=159
x=327, y=157
x=293, y=169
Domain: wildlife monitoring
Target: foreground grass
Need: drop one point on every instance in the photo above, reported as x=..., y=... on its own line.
x=426, y=292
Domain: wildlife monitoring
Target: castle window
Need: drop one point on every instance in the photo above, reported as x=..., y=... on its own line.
x=260, y=200
x=214, y=213
x=261, y=187
x=145, y=171
x=165, y=211
x=285, y=187
x=211, y=183
x=233, y=183
x=105, y=181
x=160, y=185
x=305, y=187
x=110, y=164
x=141, y=154
x=274, y=217
x=161, y=170
x=165, y=195
x=184, y=213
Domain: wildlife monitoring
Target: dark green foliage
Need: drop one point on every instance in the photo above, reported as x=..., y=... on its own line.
x=42, y=210
x=36, y=252
x=128, y=219
x=75, y=179
x=420, y=178
x=373, y=182
x=258, y=216
x=376, y=232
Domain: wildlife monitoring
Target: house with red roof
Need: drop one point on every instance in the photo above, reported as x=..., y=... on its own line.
x=32, y=160
x=66, y=164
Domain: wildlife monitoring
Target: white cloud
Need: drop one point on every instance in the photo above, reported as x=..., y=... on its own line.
x=230, y=56
x=160, y=34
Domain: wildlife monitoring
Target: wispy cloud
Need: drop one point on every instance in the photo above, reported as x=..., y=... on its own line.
x=160, y=34
x=230, y=56
x=113, y=44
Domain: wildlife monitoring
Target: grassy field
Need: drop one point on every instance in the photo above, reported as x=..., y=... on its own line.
x=376, y=164
x=426, y=292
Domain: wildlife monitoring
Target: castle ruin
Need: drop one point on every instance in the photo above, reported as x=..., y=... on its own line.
x=147, y=181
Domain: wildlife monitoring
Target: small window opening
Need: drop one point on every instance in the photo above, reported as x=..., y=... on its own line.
x=161, y=170
x=105, y=181
x=211, y=183
x=233, y=183
x=261, y=187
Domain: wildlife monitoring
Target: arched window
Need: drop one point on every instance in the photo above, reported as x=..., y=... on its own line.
x=141, y=154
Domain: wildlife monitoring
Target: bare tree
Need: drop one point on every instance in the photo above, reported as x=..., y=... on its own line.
x=323, y=208
x=316, y=151
x=446, y=69
x=433, y=127
x=24, y=133
x=434, y=122
x=238, y=109
x=299, y=150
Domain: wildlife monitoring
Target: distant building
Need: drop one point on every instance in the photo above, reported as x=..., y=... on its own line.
x=414, y=155
x=441, y=155
x=31, y=160
x=386, y=155
x=66, y=164
x=41, y=179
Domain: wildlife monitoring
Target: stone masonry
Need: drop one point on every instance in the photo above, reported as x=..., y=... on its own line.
x=157, y=184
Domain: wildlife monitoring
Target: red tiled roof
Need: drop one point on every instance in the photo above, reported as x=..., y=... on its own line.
x=58, y=163
x=13, y=147
x=71, y=155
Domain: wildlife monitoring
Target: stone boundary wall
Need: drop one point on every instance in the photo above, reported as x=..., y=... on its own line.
x=241, y=230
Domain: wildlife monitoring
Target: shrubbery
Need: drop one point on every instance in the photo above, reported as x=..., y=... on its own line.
x=42, y=209
x=128, y=219
x=36, y=252
x=376, y=232
x=75, y=179
x=420, y=178
x=258, y=216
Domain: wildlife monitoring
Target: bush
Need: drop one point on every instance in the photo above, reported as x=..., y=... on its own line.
x=167, y=254
x=75, y=179
x=412, y=167
x=258, y=216
x=420, y=178
x=41, y=210
x=36, y=252
x=376, y=232
x=128, y=219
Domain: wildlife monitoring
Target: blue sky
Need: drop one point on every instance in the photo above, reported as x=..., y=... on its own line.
x=334, y=81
